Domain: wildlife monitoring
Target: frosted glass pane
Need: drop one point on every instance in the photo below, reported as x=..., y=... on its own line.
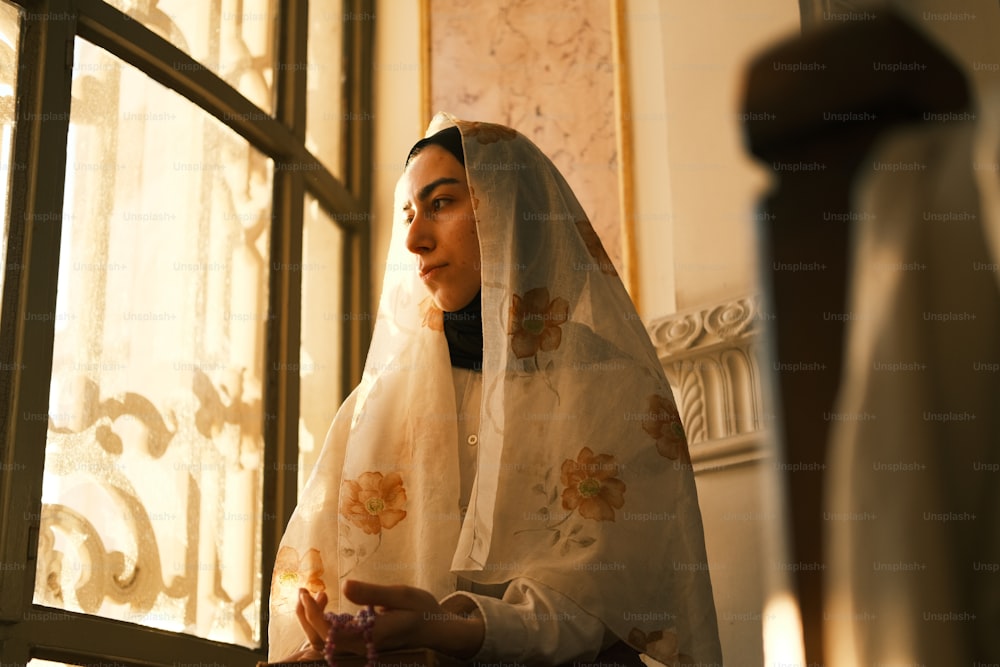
x=325, y=116
x=232, y=38
x=9, y=31
x=36, y=662
x=151, y=497
x=322, y=324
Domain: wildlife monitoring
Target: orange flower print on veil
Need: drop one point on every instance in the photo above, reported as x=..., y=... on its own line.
x=663, y=424
x=535, y=321
x=595, y=247
x=486, y=133
x=373, y=501
x=433, y=316
x=292, y=573
x=591, y=488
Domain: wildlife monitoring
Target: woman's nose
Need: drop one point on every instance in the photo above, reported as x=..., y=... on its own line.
x=419, y=235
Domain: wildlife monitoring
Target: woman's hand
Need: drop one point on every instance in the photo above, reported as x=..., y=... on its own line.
x=407, y=617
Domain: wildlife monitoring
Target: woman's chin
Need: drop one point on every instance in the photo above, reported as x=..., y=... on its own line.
x=451, y=303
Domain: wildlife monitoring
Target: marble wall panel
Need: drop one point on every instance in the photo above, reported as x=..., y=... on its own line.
x=547, y=69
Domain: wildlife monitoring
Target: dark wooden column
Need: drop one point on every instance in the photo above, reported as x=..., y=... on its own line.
x=814, y=106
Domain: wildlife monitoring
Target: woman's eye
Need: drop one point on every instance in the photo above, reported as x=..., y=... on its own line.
x=407, y=220
x=438, y=204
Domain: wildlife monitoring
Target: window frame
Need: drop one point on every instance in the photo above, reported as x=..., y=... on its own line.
x=26, y=346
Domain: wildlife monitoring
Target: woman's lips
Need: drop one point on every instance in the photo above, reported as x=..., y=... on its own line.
x=430, y=272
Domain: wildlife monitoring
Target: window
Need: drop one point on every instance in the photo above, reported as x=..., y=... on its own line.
x=183, y=286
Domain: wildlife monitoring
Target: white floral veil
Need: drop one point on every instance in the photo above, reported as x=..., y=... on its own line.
x=584, y=481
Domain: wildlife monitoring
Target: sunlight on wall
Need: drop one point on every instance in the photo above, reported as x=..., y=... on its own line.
x=783, y=632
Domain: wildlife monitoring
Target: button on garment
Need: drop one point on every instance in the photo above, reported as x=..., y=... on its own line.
x=468, y=392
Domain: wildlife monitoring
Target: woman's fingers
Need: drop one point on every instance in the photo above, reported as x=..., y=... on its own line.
x=389, y=597
x=410, y=616
x=311, y=619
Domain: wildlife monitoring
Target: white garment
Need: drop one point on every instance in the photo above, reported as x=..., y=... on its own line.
x=532, y=624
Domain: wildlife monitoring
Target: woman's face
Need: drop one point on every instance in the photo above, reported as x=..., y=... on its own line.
x=442, y=227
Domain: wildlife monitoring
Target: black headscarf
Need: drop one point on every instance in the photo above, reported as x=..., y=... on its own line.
x=449, y=139
x=463, y=328
x=464, y=331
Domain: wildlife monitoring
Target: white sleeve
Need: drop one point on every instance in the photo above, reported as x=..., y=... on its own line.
x=531, y=624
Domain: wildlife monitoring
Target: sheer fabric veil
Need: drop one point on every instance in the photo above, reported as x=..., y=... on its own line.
x=584, y=480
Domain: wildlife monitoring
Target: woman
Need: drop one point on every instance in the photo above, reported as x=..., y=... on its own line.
x=513, y=450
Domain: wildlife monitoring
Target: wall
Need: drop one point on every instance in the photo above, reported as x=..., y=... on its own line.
x=398, y=115
x=695, y=226
x=546, y=69
x=698, y=175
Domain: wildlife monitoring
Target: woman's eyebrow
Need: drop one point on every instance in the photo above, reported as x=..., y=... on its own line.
x=426, y=191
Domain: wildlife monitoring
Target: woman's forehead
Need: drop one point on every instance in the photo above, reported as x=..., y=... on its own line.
x=433, y=165
x=434, y=158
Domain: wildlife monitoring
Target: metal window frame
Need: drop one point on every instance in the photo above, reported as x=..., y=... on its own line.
x=26, y=344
